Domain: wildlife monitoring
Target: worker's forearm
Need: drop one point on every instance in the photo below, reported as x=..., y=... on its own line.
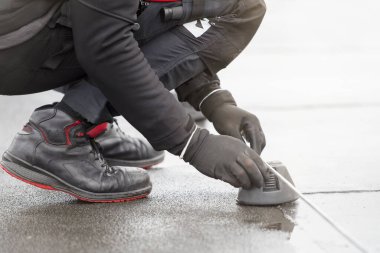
x=110, y=55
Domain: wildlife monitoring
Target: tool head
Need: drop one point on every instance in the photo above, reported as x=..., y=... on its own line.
x=274, y=192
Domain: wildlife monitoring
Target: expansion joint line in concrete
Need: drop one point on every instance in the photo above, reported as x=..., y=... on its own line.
x=319, y=211
x=343, y=192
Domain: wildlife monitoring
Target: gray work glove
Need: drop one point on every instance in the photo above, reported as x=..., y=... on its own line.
x=225, y=158
x=228, y=119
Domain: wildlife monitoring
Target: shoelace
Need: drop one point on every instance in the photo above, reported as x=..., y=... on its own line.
x=98, y=156
x=118, y=127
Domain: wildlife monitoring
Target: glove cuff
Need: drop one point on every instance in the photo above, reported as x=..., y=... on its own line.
x=196, y=89
x=214, y=100
x=189, y=129
x=195, y=144
x=181, y=156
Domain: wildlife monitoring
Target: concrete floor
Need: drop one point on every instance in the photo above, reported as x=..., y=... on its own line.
x=312, y=76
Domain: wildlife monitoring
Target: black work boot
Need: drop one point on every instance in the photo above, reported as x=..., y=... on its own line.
x=120, y=149
x=54, y=151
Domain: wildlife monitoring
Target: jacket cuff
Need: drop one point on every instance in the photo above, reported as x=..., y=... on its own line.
x=197, y=88
x=214, y=101
x=176, y=141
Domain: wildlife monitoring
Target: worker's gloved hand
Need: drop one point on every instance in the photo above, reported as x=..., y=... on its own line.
x=225, y=158
x=228, y=119
x=233, y=121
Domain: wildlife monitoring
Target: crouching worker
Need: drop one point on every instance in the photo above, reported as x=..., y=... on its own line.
x=93, y=46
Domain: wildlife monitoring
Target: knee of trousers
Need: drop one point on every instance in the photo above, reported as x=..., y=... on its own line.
x=249, y=16
x=256, y=8
x=235, y=31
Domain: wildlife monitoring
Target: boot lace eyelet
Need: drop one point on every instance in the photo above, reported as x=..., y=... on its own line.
x=109, y=171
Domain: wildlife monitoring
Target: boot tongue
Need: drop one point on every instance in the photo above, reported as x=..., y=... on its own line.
x=97, y=130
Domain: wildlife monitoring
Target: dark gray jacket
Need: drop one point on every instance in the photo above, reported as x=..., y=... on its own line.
x=112, y=60
x=22, y=19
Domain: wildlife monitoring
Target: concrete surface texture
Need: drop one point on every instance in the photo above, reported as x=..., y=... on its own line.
x=312, y=77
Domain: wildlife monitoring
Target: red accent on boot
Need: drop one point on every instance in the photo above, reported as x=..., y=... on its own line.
x=80, y=134
x=67, y=131
x=97, y=130
x=42, y=186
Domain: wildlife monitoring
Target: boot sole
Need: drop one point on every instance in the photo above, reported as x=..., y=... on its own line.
x=145, y=164
x=42, y=179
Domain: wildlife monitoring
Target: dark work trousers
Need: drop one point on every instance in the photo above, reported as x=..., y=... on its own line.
x=49, y=60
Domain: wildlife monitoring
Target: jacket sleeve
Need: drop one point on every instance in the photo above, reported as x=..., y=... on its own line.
x=106, y=49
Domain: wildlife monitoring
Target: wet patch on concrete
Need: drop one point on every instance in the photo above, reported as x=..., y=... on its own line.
x=186, y=212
